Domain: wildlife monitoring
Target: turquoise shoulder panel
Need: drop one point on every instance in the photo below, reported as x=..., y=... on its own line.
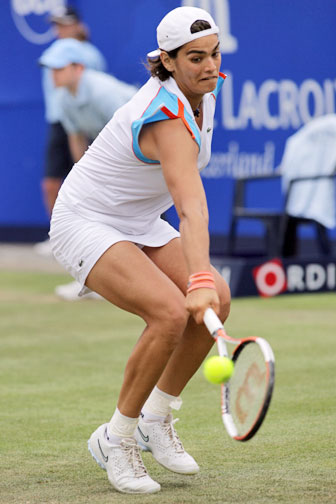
x=164, y=106
x=220, y=83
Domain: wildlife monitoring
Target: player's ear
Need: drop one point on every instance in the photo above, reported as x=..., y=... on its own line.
x=167, y=61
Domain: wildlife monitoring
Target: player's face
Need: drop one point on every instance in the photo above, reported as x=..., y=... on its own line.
x=65, y=77
x=197, y=65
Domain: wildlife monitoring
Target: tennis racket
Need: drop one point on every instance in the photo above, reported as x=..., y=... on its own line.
x=245, y=398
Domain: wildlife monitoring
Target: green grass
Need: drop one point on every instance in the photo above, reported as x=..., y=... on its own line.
x=60, y=371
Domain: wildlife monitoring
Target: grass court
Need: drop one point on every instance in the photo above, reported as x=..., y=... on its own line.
x=61, y=368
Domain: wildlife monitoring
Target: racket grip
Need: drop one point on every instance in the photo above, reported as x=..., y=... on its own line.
x=211, y=321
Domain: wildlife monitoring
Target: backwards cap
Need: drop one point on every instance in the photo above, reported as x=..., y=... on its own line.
x=174, y=29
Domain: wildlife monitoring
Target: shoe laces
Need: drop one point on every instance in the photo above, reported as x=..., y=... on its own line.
x=132, y=453
x=168, y=428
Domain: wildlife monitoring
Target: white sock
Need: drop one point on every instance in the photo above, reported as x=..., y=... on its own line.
x=158, y=405
x=121, y=426
x=150, y=417
x=113, y=440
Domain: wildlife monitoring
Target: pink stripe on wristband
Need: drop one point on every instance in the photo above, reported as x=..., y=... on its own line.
x=201, y=280
x=201, y=285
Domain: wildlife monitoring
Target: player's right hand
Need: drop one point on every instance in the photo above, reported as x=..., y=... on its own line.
x=198, y=300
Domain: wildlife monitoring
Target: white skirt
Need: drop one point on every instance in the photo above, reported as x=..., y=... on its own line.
x=77, y=243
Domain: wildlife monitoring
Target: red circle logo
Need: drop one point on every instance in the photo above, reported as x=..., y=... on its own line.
x=270, y=278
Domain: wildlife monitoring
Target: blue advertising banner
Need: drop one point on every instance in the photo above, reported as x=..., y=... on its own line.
x=278, y=55
x=255, y=277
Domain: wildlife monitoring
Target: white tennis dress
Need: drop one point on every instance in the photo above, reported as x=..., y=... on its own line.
x=114, y=193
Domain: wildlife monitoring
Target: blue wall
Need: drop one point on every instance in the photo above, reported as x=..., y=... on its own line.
x=279, y=56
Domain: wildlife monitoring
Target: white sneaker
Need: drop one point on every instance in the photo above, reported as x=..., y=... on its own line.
x=43, y=248
x=70, y=292
x=162, y=440
x=123, y=463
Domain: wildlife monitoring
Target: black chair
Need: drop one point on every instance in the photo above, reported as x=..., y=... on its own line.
x=288, y=245
x=280, y=236
x=269, y=217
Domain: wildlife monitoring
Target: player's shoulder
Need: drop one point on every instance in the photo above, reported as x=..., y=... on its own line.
x=175, y=127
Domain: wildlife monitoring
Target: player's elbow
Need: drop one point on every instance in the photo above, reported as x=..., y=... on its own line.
x=193, y=210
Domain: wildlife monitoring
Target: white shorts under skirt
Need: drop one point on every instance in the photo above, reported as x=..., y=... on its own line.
x=78, y=243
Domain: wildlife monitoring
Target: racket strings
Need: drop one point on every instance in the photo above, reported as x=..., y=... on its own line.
x=248, y=387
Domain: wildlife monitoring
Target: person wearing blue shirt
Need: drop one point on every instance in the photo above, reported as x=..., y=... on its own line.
x=87, y=100
x=58, y=160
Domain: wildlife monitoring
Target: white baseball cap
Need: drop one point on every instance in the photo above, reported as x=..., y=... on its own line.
x=174, y=29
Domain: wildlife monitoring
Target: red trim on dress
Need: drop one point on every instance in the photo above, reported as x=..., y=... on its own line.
x=180, y=115
x=223, y=75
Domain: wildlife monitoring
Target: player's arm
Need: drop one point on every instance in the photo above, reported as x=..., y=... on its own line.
x=171, y=143
x=78, y=144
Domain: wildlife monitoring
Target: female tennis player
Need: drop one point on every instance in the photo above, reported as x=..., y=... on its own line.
x=107, y=232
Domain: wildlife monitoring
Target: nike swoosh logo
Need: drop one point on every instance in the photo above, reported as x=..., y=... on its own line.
x=145, y=438
x=101, y=451
x=208, y=130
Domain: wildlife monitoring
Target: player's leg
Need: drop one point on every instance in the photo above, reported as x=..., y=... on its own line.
x=156, y=431
x=196, y=341
x=129, y=279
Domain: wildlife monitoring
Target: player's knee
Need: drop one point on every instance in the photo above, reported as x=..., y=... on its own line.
x=177, y=318
x=173, y=322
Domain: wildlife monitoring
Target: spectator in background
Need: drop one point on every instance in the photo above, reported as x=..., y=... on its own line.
x=58, y=160
x=87, y=100
x=310, y=153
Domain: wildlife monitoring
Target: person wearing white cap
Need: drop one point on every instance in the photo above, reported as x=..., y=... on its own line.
x=107, y=232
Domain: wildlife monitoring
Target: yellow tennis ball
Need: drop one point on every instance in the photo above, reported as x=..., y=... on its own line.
x=218, y=369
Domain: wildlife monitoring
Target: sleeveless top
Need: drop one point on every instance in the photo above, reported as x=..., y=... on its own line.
x=114, y=183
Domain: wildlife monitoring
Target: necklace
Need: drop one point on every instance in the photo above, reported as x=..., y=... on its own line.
x=197, y=110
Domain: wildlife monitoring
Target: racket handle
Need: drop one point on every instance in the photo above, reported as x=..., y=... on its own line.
x=213, y=324
x=211, y=321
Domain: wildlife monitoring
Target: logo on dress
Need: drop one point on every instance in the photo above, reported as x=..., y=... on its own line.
x=31, y=18
x=220, y=11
